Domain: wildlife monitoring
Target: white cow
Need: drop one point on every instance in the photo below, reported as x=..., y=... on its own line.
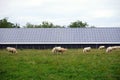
x=101, y=47
x=109, y=49
x=58, y=49
x=115, y=47
x=11, y=49
x=86, y=49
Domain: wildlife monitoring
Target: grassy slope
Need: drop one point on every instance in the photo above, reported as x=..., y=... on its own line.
x=73, y=65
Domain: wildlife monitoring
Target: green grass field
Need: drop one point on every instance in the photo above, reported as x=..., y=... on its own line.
x=33, y=64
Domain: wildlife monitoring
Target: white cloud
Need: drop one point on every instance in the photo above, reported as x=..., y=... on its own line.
x=62, y=12
x=25, y=3
x=103, y=14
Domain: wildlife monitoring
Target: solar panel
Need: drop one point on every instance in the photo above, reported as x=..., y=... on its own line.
x=66, y=35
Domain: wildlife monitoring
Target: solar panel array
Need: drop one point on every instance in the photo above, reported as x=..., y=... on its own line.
x=66, y=35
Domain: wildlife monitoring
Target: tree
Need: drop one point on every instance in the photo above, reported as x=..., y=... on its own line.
x=78, y=24
x=29, y=25
x=58, y=26
x=44, y=24
x=16, y=25
x=5, y=24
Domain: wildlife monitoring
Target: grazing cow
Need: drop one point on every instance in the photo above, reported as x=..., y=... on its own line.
x=86, y=49
x=109, y=49
x=58, y=49
x=101, y=47
x=11, y=49
x=62, y=50
x=54, y=50
x=115, y=47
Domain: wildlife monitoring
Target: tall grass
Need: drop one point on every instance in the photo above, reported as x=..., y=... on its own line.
x=72, y=65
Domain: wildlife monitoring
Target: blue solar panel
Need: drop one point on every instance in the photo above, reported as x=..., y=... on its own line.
x=53, y=35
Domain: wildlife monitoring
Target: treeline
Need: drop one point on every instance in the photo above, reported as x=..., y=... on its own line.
x=4, y=23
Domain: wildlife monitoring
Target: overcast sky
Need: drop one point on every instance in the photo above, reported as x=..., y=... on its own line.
x=99, y=13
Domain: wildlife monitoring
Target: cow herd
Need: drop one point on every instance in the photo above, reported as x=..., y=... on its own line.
x=62, y=50
x=108, y=49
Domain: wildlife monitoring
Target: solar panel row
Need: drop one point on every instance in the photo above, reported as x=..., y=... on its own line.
x=60, y=35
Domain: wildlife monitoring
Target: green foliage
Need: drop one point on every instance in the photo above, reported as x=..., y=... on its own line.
x=78, y=24
x=72, y=65
x=44, y=24
x=29, y=25
x=16, y=25
x=5, y=24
